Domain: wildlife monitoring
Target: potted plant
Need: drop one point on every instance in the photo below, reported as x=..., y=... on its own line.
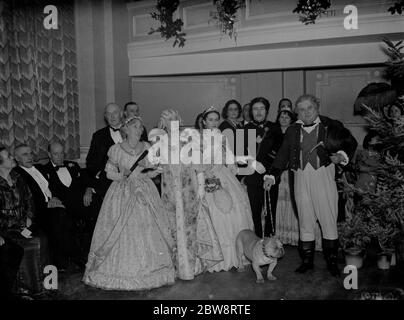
x=353, y=237
x=387, y=234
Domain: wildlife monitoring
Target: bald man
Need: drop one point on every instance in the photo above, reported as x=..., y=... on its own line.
x=63, y=176
x=97, y=157
x=65, y=183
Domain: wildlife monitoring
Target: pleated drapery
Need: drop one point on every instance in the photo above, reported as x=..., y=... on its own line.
x=38, y=77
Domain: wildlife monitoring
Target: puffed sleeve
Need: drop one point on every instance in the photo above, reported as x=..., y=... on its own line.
x=112, y=166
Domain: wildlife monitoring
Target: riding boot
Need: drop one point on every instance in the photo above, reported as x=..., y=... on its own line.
x=330, y=250
x=306, y=251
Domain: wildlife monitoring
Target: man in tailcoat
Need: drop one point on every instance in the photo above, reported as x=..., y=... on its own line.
x=312, y=148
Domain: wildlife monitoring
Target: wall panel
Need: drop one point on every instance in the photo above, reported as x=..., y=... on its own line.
x=189, y=95
x=336, y=88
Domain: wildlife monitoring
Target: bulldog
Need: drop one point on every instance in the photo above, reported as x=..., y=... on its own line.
x=259, y=251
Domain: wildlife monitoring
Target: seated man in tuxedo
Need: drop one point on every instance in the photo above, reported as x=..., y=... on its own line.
x=65, y=183
x=132, y=109
x=96, y=180
x=50, y=212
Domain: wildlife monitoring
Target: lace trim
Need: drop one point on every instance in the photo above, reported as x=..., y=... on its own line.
x=139, y=282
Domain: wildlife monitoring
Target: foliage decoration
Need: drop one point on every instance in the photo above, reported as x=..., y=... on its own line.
x=383, y=209
x=168, y=28
x=310, y=10
x=395, y=63
x=398, y=7
x=226, y=15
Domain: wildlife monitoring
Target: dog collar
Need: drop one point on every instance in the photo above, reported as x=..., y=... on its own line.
x=263, y=251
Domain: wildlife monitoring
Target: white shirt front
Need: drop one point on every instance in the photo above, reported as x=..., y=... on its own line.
x=64, y=175
x=40, y=180
x=115, y=135
x=310, y=129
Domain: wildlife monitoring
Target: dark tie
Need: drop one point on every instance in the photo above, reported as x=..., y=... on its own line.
x=309, y=125
x=114, y=129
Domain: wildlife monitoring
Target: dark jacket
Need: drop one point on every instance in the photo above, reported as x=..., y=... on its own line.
x=266, y=150
x=67, y=195
x=332, y=133
x=96, y=160
x=226, y=125
x=40, y=203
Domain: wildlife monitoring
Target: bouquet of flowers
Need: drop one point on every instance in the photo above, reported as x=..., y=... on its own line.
x=221, y=196
x=212, y=184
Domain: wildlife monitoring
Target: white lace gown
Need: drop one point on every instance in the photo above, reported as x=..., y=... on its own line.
x=230, y=210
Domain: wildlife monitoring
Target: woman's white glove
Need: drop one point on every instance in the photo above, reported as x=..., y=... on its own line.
x=233, y=168
x=201, y=184
x=258, y=166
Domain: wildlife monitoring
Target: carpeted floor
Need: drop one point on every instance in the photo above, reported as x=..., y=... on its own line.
x=232, y=285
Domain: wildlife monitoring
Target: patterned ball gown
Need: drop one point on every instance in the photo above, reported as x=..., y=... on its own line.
x=196, y=246
x=229, y=206
x=131, y=246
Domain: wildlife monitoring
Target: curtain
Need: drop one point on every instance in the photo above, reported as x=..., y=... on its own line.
x=38, y=77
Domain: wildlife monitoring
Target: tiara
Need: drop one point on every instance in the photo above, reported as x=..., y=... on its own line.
x=127, y=121
x=209, y=110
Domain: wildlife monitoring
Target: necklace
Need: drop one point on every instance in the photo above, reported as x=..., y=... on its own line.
x=132, y=150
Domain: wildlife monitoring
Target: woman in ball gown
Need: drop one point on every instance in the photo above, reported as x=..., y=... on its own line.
x=225, y=197
x=196, y=246
x=287, y=224
x=131, y=246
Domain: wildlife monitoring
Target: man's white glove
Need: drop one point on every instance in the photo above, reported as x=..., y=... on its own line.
x=269, y=181
x=258, y=166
